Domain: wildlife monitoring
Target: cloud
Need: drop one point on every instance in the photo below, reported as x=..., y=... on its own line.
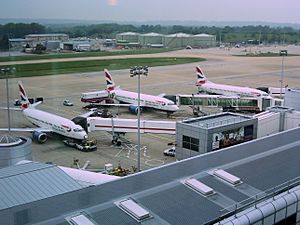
x=112, y=2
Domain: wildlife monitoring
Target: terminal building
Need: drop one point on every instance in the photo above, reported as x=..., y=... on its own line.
x=210, y=133
x=256, y=182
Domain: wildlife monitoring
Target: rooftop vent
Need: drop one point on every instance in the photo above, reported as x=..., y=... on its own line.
x=199, y=186
x=227, y=177
x=80, y=220
x=133, y=209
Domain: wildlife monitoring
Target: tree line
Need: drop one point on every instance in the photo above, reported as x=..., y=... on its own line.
x=226, y=34
x=18, y=30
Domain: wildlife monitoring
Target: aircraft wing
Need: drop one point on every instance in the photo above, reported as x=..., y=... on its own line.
x=119, y=104
x=27, y=129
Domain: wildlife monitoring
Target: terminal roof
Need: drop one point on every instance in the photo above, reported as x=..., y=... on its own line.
x=32, y=181
x=261, y=166
x=217, y=120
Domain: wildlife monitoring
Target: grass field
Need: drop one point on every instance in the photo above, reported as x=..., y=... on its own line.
x=42, y=69
x=84, y=54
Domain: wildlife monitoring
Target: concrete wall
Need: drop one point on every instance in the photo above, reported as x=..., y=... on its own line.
x=292, y=99
x=292, y=120
x=268, y=124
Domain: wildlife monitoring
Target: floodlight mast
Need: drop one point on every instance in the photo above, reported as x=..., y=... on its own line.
x=282, y=53
x=138, y=71
x=6, y=71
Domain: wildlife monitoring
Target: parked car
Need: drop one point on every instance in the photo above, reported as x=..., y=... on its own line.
x=170, y=152
x=67, y=102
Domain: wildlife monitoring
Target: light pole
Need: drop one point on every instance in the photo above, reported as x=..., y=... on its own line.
x=282, y=53
x=7, y=71
x=138, y=71
x=8, y=45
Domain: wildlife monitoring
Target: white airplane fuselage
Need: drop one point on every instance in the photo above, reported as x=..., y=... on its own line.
x=57, y=124
x=149, y=101
x=230, y=90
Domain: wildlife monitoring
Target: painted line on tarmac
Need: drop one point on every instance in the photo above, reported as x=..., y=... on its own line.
x=160, y=137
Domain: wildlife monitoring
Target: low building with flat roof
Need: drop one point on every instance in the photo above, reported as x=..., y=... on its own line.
x=209, y=133
x=47, y=37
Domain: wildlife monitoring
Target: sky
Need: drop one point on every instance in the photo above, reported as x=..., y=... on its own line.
x=284, y=11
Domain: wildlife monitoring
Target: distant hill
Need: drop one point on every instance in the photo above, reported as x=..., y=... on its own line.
x=73, y=22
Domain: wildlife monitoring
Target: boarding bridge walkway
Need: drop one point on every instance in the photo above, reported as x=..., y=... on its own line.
x=118, y=125
x=255, y=104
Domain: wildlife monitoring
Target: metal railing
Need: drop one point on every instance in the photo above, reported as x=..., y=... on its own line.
x=254, y=200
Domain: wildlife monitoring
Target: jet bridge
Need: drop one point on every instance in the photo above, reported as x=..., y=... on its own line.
x=117, y=125
x=235, y=102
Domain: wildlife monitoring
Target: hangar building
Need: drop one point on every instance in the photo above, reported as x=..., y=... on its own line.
x=128, y=37
x=178, y=40
x=151, y=39
x=204, y=40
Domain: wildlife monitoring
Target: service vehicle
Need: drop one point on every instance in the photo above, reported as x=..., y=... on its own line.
x=84, y=146
x=67, y=102
x=170, y=152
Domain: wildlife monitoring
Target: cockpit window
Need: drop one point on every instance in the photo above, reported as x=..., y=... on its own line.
x=78, y=130
x=171, y=103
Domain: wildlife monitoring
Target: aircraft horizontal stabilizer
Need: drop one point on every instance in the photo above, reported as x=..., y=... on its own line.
x=10, y=108
x=162, y=95
x=35, y=104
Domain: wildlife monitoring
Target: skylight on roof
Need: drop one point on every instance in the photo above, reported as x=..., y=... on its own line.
x=199, y=186
x=80, y=220
x=227, y=176
x=133, y=209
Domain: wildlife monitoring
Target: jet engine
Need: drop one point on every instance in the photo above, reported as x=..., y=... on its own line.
x=39, y=137
x=134, y=109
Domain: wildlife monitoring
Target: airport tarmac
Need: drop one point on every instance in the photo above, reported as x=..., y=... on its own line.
x=221, y=66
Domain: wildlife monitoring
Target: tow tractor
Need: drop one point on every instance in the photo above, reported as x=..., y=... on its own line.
x=84, y=146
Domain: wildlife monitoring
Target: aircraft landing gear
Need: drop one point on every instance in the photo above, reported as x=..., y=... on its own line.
x=115, y=140
x=169, y=114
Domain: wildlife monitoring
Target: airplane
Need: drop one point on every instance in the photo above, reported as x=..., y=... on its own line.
x=227, y=90
x=46, y=122
x=130, y=98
